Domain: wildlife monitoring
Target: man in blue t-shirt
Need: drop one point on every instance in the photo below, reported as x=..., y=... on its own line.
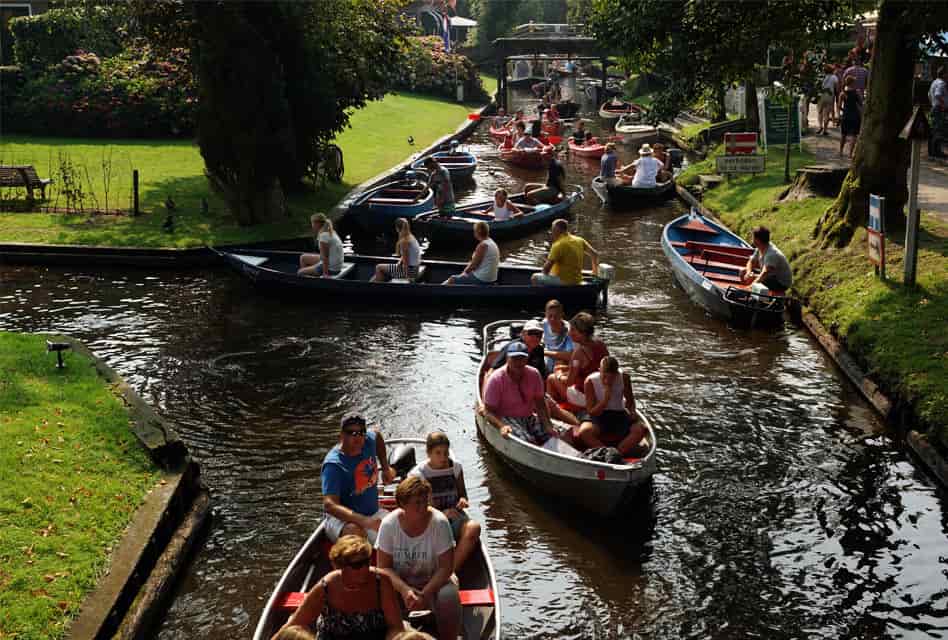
x=350, y=480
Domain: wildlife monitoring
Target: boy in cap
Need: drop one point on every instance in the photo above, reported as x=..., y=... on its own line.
x=350, y=474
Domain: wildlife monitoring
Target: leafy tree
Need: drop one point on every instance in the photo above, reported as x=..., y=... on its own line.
x=881, y=159
x=702, y=45
x=276, y=82
x=496, y=18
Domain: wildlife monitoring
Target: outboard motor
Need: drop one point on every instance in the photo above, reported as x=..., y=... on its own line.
x=675, y=157
x=402, y=459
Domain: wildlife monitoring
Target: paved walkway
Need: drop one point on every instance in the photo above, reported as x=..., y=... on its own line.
x=932, y=177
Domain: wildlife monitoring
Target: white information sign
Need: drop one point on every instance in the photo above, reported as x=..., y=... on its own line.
x=744, y=163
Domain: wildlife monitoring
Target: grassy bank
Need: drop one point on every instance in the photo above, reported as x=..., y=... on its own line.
x=897, y=334
x=377, y=140
x=71, y=476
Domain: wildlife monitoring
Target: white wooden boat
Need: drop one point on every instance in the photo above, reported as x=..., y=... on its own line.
x=599, y=487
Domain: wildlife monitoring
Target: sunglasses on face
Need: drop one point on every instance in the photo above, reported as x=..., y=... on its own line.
x=359, y=564
x=355, y=433
x=534, y=333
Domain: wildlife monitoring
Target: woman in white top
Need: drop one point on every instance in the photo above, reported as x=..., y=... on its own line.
x=482, y=269
x=645, y=169
x=611, y=408
x=416, y=549
x=328, y=262
x=409, y=256
x=503, y=208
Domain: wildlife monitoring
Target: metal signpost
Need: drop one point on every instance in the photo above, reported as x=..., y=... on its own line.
x=740, y=155
x=876, y=233
x=916, y=130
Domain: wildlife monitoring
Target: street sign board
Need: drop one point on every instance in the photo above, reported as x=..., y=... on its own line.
x=744, y=163
x=738, y=143
x=876, y=232
x=774, y=123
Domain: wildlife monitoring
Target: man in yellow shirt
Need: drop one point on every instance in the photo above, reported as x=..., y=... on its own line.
x=565, y=264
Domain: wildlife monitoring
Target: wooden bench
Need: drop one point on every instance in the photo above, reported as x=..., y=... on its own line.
x=23, y=176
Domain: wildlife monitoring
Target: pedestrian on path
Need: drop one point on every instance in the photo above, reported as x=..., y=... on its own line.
x=850, y=119
x=939, y=102
x=859, y=73
x=829, y=89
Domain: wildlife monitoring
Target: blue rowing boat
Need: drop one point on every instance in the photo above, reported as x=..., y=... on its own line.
x=377, y=209
x=457, y=229
x=706, y=259
x=460, y=164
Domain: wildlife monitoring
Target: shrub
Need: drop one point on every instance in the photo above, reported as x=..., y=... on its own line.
x=133, y=94
x=11, y=83
x=45, y=39
x=429, y=69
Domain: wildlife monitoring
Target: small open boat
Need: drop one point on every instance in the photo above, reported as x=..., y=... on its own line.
x=632, y=128
x=460, y=164
x=536, y=158
x=616, y=108
x=706, y=258
x=599, y=487
x=480, y=597
x=592, y=149
x=275, y=271
x=626, y=196
x=377, y=209
x=457, y=229
x=567, y=109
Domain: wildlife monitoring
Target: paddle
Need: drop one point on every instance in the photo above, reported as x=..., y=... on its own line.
x=474, y=116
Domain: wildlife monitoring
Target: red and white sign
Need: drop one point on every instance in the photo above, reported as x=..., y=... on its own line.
x=740, y=143
x=876, y=243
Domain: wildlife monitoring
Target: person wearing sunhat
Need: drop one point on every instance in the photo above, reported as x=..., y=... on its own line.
x=532, y=336
x=515, y=400
x=645, y=169
x=350, y=475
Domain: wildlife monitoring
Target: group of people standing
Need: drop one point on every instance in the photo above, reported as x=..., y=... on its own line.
x=841, y=99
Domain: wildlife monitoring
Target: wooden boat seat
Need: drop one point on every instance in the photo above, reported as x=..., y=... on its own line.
x=721, y=277
x=291, y=600
x=723, y=256
x=694, y=245
x=700, y=261
x=422, y=272
x=697, y=225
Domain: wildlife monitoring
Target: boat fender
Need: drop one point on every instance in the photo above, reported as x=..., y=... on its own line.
x=402, y=459
x=606, y=271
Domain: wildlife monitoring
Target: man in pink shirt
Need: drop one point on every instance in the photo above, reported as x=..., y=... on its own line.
x=515, y=401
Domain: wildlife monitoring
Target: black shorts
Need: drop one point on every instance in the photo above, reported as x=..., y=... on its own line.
x=613, y=423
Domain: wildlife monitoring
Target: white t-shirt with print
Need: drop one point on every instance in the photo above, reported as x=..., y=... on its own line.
x=415, y=560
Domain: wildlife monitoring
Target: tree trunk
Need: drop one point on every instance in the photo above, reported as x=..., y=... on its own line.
x=882, y=158
x=750, y=107
x=786, y=150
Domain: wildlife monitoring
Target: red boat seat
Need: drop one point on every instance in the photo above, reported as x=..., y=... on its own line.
x=289, y=601
x=700, y=261
x=723, y=256
x=698, y=246
x=725, y=278
x=476, y=597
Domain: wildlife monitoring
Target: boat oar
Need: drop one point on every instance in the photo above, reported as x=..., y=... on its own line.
x=474, y=116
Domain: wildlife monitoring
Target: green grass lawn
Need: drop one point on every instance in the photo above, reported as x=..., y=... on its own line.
x=377, y=140
x=898, y=334
x=72, y=475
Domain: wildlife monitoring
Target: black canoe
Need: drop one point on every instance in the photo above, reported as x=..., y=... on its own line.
x=458, y=229
x=480, y=597
x=629, y=197
x=275, y=271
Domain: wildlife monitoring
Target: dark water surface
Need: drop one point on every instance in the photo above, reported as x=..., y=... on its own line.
x=778, y=512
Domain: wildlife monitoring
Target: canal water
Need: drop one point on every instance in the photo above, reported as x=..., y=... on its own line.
x=779, y=511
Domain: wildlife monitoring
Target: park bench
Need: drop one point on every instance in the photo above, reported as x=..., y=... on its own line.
x=23, y=176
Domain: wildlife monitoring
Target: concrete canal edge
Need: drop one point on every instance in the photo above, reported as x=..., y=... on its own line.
x=144, y=568
x=895, y=413
x=171, y=258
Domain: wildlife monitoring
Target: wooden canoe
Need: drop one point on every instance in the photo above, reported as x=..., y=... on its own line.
x=480, y=596
x=457, y=230
x=706, y=259
x=275, y=272
x=597, y=487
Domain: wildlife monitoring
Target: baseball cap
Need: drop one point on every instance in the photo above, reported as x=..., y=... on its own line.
x=517, y=349
x=353, y=417
x=532, y=325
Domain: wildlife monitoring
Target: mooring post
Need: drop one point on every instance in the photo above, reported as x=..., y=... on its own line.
x=134, y=192
x=916, y=130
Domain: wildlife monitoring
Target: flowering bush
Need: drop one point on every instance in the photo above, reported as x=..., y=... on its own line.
x=430, y=69
x=133, y=94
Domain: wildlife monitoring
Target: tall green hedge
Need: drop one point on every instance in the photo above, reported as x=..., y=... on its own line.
x=45, y=39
